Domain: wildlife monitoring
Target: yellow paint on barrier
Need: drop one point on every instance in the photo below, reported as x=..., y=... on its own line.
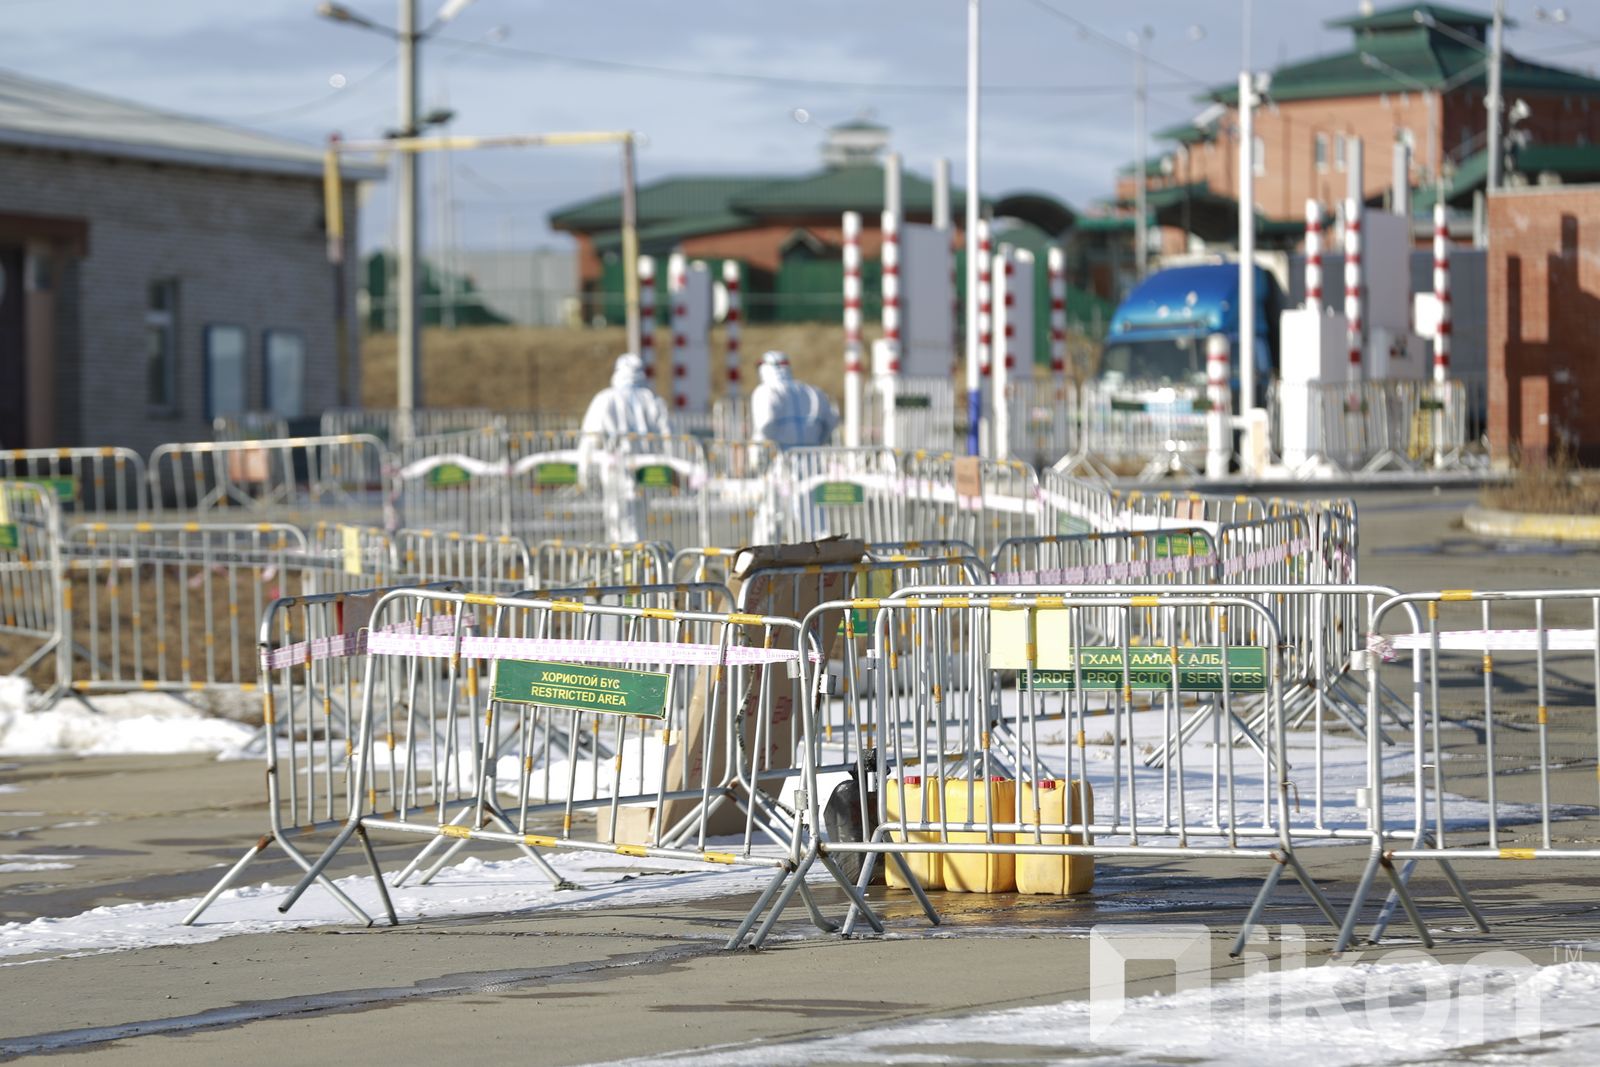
x=456, y=831
x=1518, y=854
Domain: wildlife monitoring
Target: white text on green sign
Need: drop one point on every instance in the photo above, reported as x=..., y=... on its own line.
x=581, y=687
x=838, y=493
x=449, y=476
x=1150, y=669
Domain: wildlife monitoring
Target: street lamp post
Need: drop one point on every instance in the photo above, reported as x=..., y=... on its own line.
x=1141, y=224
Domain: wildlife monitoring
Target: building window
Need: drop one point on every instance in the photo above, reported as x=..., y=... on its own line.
x=227, y=384
x=1338, y=152
x=1258, y=157
x=161, y=345
x=1322, y=153
x=284, y=359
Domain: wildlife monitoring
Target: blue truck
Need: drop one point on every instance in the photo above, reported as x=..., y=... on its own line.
x=1157, y=339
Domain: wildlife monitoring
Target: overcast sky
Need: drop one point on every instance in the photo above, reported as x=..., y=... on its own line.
x=713, y=84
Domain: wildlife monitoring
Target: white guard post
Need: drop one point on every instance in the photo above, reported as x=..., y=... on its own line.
x=1441, y=296
x=1353, y=209
x=985, y=327
x=1219, y=434
x=691, y=335
x=647, y=315
x=853, y=370
x=1058, y=320
x=1014, y=330
x=731, y=325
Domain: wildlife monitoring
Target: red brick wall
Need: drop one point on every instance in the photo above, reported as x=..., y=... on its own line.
x=1544, y=322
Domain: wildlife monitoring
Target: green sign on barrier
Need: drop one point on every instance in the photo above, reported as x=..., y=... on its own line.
x=838, y=493
x=1168, y=546
x=448, y=476
x=657, y=476
x=1070, y=524
x=584, y=688
x=65, y=488
x=1150, y=670
x=552, y=474
x=8, y=535
x=912, y=402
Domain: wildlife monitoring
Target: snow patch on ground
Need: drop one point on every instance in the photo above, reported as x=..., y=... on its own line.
x=473, y=887
x=143, y=723
x=1418, y=1011
x=24, y=868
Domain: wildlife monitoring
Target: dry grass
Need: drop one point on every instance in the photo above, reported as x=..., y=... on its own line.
x=1557, y=489
x=531, y=368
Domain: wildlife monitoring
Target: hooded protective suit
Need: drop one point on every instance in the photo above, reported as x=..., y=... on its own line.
x=788, y=413
x=628, y=404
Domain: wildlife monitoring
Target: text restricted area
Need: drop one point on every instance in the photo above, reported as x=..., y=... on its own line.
x=583, y=688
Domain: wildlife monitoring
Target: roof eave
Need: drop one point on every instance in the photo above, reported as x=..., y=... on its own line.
x=151, y=153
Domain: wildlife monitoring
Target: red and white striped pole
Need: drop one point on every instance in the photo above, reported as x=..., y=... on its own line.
x=1057, y=265
x=1353, y=303
x=677, y=281
x=731, y=323
x=891, y=291
x=1219, y=443
x=1314, y=257
x=1441, y=294
x=647, y=314
x=985, y=319
x=852, y=330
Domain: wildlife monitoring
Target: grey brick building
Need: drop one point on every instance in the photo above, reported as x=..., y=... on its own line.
x=157, y=270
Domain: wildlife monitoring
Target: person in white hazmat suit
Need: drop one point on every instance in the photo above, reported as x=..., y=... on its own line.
x=627, y=406
x=789, y=414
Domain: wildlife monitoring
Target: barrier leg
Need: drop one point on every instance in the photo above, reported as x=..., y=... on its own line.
x=761, y=903
x=1459, y=888
x=377, y=875
x=819, y=920
x=1407, y=903
x=228, y=878
x=1386, y=913
x=428, y=849
x=314, y=873
x=1347, y=931
x=1311, y=889
x=784, y=897
x=916, y=887
x=858, y=899
x=1258, y=905
x=502, y=820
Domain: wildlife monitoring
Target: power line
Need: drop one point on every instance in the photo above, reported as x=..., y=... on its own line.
x=751, y=78
x=1089, y=31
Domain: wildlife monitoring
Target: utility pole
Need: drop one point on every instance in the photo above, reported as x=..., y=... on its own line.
x=1247, y=242
x=630, y=245
x=409, y=326
x=1141, y=236
x=974, y=380
x=1496, y=61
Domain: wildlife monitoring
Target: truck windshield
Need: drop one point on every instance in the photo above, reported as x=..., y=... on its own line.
x=1166, y=360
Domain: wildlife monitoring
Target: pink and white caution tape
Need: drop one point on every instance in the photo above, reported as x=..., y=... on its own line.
x=339, y=646
x=566, y=651
x=1385, y=646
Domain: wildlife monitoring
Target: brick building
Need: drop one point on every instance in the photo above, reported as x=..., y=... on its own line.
x=157, y=270
x=1544, y=323
x=1414, y=73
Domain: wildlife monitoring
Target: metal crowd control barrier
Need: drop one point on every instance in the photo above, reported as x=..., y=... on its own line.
x=108, y=483
x=676, y=693
x=480, y=562
x=1463, y=676
x=924, y=413
x=1143, y=431
x=171, y=606
x=982, y=501
x=347, y=557
x=295, y=479
x=563, y=564
x=35, y=601
x=945, y=548
x=944, y=808
x=387, y=424
x=545, y=496
x=1043, y=419
x=653, y=486
x=705, y=598
x=453, y=481
x=820, y=492
x=249, y=426
x=1374, y=426
x=1072, y=505
x=311, y=656
x=738, y=489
